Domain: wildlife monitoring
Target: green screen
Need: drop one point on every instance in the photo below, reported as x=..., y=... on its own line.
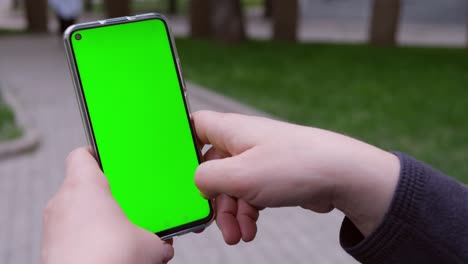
x=141, y=128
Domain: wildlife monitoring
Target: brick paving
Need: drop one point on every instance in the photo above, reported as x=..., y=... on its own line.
x=36, y=70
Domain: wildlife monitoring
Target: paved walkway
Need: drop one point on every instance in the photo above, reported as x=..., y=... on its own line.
x=37, y=74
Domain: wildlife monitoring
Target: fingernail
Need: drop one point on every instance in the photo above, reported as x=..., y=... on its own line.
x=168, y=252
x=204, y=196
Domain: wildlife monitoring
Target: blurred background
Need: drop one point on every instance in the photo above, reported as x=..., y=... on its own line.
x=390, y=72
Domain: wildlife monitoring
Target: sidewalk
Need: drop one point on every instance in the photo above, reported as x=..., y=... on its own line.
x=35, y=68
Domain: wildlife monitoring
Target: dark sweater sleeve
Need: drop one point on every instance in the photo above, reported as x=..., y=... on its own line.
x=427, y=221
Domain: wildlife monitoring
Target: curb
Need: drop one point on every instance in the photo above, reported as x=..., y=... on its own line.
x=222, y=101
x=29, y=139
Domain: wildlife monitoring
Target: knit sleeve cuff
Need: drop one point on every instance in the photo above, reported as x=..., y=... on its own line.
x=398, y=221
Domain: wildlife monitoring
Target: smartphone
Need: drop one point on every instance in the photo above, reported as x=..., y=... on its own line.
x=133, y=104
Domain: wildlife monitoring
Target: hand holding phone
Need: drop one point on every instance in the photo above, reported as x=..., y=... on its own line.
x=84, y=224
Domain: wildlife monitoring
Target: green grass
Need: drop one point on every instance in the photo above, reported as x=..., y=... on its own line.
x=407, y=99
x=10, y=32
x=253, y=3
x=8, y=128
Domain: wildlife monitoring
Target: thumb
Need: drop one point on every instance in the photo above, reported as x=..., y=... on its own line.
x=160, y=251
x=163, y=252
x=222, y=176
x=82, y=167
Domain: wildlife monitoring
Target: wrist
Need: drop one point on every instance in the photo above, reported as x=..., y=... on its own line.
x=367, y=186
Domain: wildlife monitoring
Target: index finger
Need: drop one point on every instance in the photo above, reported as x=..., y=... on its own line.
x=209, y=128
x=225, y=131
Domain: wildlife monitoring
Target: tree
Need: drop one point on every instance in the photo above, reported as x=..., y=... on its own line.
x=88, y=5
x=267, y=9
x=384, y=22
x=220, y=19
x=227, y=20
x=36, y=15
x=15, y=4
x=466, y=26
x=172, y=7
x=117, y=8
x=285, y=19
x=200, y=18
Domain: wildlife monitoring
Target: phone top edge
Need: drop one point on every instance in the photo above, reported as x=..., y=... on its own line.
x=69, y=31
x=112, y=21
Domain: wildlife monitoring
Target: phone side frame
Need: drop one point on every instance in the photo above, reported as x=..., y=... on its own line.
x=77, y=85
x=84, y=113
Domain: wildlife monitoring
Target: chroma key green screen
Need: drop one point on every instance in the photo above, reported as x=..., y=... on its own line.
x=140, y=124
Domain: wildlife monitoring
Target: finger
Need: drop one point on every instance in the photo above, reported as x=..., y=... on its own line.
x=213, y=154
x=247, y=217
x=226, y=209
x=222, y=176
x=219, y=130
x=208, y=128
x=198, y=231
x=81, y=166
x=160, y=251
x=81, y=163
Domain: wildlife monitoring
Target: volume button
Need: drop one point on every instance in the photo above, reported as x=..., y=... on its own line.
x=178, y=65
x=184, y=84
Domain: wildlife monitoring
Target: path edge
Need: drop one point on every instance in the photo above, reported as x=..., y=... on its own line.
x=29, y=139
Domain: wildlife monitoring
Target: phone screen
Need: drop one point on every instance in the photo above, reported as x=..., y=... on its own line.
x=135, y=103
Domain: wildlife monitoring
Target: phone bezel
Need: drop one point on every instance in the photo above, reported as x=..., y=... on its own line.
x=165, y=234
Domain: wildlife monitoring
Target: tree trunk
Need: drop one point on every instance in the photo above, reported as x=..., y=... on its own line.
x=200, y=23
x=285, y=20
x=227, y=20
x=88, y=5
x=15, y=4
x=36, y=15
x=466, y=25
x=172, y=7
x=268, y=8
x=384, y=22
x=117, y=8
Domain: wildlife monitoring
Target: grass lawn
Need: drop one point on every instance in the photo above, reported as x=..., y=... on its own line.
x=4, y=32
x=8, y=128
x=407, y=99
